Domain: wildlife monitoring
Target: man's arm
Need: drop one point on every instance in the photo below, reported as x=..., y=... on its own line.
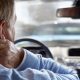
x=33, y=74
x=33, y=61
x=45, y=69
x=11, y=57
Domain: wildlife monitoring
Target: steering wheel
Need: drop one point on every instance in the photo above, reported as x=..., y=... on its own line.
x=40, y=49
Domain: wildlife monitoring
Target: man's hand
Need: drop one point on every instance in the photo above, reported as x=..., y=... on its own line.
x=10, y=56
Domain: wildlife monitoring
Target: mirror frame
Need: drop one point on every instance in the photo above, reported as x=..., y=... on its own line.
x=70, y=12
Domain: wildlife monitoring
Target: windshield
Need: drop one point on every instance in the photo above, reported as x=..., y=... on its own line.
x=38, y=20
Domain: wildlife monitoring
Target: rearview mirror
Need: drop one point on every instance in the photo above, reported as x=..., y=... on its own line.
x=70, y=12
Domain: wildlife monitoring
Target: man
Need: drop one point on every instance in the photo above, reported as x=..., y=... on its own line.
x=20, y=64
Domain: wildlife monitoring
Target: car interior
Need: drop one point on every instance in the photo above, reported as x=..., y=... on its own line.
x=50, y=28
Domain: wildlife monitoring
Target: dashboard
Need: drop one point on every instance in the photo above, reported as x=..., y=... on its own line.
x=69, y=56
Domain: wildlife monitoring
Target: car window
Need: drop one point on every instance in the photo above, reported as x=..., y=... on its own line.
x=37, y=19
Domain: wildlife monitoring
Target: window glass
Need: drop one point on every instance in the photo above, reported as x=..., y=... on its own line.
x=37, y=19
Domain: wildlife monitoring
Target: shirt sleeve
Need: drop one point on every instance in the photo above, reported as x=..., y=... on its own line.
x=33, y=74
x=46, y=66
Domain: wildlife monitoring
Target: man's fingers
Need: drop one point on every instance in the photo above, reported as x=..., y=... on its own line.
x=3, y=37
x=2, y=46
x=0, y=31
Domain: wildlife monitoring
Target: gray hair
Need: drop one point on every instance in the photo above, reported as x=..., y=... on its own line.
x=6, y=9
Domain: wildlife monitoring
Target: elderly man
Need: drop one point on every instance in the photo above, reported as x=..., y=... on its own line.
x=20, y=64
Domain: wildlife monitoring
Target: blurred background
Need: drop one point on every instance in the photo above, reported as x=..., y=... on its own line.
x=37, y=19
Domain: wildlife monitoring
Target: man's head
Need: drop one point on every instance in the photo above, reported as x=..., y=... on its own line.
x=7, y=19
